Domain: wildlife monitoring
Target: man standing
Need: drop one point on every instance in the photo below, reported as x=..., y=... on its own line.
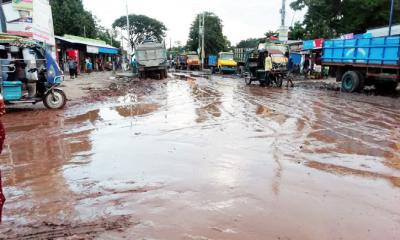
x=268, y=68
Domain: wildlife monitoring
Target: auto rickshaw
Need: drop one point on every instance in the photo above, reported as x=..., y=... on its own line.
x=29, y=73
x=255, y=70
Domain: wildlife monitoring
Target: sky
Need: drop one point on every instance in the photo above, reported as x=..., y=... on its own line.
x=241, y=19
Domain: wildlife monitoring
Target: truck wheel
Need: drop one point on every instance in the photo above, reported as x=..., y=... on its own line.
x=55, y=99
x=361, y=84
x=350, y=81
x=389, y=86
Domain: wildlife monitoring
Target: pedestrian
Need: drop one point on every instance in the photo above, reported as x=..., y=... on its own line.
x=71, y=68
x=89, y=66
x=306, y=67
x=289, y=77
x=268, y=68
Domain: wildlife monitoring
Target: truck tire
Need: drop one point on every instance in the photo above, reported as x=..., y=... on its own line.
x=361, y=84
x=350, y=82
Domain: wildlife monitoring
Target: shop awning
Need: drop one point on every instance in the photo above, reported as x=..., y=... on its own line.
x=92, y=45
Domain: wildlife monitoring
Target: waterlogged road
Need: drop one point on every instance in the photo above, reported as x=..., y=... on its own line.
x=206, y=159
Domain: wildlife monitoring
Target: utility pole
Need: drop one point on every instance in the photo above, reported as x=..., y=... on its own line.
x=391, y=17
x=200, y=29
x=202, y=42
x=283, y=13
x=84, y=31
x=128, y=26
x=201, y=38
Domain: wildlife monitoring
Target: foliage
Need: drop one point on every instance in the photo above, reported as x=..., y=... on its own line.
x=248, y=43
x=70, y=17
x=297, y=31
x=271, y=34
x=141, y=28
x=214, y=39
x=331, y=18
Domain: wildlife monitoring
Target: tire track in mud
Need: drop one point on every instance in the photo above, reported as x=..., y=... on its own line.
x=343, y=117
x=78, y=230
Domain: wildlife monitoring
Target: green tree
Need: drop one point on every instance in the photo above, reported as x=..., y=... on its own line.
x=70, y=17
x=214, y=39
x=331, y=18
x=248, y=43
x=271, y=34
x=297, y=32
x=141, y=28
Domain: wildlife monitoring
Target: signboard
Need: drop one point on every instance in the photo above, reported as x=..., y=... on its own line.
x=283, y=34
x=18, y=22
x=30, y=18
x=91, y=49
x=23, y=5
x=43, y=30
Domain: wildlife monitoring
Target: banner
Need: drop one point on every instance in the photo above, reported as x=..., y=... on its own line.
x=30, y=18
x=43, y=30
x=23, y=5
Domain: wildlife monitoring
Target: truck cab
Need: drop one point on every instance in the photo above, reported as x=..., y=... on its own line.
x=193, y=61
x=226, y=62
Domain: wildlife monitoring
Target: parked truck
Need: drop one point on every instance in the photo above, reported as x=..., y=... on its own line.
x=193, y=61
x=226, y=63
x=151, y=57
x=364, y=62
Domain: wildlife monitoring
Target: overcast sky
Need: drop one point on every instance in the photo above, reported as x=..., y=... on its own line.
x=241, y=19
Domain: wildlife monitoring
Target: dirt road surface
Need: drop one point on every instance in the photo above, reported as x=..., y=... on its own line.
x=200, y=159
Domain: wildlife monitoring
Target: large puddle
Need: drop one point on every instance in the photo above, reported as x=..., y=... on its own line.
x=211, y=159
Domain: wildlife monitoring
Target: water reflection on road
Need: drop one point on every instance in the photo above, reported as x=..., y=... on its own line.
x=212, y=159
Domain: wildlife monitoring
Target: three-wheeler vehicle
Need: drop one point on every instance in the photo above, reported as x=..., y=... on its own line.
x=255, y=70
x=29, y=73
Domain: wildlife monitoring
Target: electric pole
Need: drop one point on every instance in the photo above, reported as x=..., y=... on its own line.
x=391, y=17
x=128, y=26
x=201, y=38
x=283, y=13
x=202, y=43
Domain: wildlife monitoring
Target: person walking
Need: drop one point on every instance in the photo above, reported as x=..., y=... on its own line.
x=306, y=67
x=268, y=69
x=72, y=65
x=89, y=66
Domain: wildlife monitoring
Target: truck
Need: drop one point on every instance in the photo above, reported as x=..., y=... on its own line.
x=193, y=61
x=226, y=63
x=151, y=58
x=364, y=62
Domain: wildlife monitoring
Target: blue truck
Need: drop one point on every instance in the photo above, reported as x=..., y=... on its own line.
x=364, y=62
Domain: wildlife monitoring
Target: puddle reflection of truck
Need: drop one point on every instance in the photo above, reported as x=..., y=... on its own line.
x=364, y=62
x=152, y=59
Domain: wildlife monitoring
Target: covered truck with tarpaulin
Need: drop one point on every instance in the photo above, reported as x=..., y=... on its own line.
x=362, y=62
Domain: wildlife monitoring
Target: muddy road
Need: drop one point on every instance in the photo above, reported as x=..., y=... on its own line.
x=205, y=159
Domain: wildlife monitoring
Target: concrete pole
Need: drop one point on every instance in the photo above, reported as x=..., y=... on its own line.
x=128, y=24
x=200, y=29
x=202, y=42
x=283, y=13
x=391, y=17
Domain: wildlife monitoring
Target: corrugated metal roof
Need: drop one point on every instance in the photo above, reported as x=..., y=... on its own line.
x=384, y=31
x=85, y=42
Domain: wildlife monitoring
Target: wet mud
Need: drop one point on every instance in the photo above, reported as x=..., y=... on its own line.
x=196, y=158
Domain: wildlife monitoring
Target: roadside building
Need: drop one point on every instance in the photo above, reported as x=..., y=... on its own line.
x=384, y=31
x=80, y=49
